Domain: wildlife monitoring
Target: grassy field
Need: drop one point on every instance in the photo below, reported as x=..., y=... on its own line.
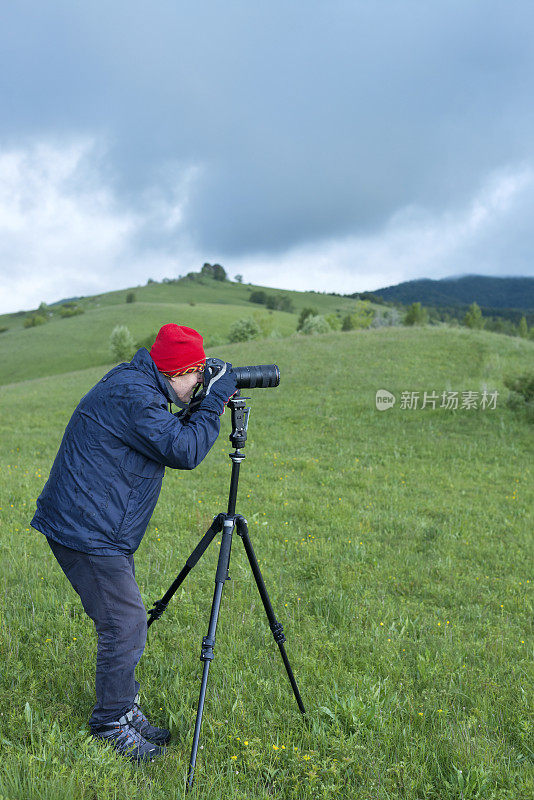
x=397, y=549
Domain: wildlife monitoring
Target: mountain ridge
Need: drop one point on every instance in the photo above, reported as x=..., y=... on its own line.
x=486, y=291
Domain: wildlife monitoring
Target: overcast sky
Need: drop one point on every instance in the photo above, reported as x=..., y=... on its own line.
x=339, y=146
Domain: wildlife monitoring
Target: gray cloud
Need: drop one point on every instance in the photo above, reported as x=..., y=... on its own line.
x=280, y=127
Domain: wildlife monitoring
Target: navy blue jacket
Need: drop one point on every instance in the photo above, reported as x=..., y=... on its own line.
x=106, y=478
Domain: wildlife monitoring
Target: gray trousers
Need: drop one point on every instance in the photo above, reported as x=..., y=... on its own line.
x=110, y=596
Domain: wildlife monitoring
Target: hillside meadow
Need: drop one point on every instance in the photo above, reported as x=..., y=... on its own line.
x=72, y=343
x=397, y=550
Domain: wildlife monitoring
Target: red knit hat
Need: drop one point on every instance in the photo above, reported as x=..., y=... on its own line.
x=178, y=350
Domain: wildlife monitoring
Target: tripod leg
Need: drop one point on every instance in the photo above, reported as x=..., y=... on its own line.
x=276, y=627
x=160, y=605
x=208, y=642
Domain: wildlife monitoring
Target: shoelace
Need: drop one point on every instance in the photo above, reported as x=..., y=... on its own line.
x=127, y=738
x=138, y=716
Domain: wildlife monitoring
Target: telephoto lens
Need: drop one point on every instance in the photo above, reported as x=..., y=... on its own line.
x=263, y=376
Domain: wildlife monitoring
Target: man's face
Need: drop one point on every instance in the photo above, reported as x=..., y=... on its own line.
x=184, y=385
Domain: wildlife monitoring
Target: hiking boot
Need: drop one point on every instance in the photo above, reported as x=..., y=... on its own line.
x=138, y=721
x=127, y=740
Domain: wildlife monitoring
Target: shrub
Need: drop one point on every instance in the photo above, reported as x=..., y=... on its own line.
x=34, y=320
x=361, y=317
x=473, y=317
x=416, y=315
x=3, y=328
x=334, y=321
x=244, y=329
x=304, y=314
x=258, y=296
x=523, y=328
x=121, y=343
x=279, y=302
x=314, y=325
x=130, y=297
x=70, y=310
x=386, y=318
x=285, y=304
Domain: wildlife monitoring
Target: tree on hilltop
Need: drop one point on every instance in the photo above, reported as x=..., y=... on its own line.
x=214, y=271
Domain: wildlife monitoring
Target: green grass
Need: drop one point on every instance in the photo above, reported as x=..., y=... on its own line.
x=397, y=550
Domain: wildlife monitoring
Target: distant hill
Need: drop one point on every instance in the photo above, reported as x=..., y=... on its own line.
x=517, y=293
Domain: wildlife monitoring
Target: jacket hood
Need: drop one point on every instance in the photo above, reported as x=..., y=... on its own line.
x=142, y=361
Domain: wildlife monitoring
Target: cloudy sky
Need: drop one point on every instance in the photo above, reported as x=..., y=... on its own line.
x=335, y=145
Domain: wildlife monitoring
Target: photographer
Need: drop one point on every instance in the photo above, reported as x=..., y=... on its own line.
x=100, y=495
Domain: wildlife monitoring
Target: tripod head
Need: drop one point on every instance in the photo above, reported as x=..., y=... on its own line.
x=240, y=413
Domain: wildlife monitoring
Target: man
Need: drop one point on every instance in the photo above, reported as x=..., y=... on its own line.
x=100, y=495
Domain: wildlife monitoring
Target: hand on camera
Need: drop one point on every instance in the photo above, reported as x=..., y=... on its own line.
x=222, y=385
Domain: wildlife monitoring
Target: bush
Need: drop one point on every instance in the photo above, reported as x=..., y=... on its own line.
x=473, y=317
x=416, y=315
x=130, y=297
x=274, y=302
x=334, y=321
x=386, y=318
x=304, y=314
x=121, y=343
x=258, y=296
x=314, y=325
x=3, y=328
x=361, y=317
x=70, y=310
x=34, y=320
x=244, y=329
x=279, y=302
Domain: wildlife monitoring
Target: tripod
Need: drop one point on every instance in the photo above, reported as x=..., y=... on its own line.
x=226, y=523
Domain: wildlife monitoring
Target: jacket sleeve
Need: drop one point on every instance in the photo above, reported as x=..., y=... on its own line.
x=160, y=436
